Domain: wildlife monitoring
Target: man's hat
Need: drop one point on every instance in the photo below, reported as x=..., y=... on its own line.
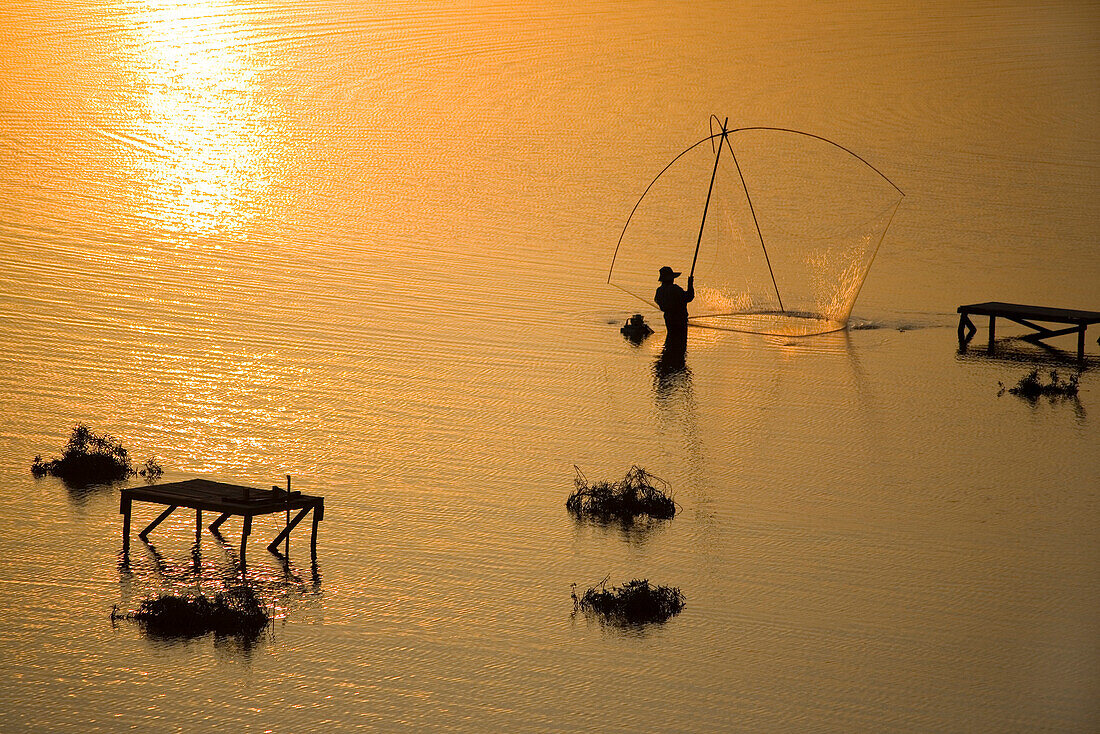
x=667, y=273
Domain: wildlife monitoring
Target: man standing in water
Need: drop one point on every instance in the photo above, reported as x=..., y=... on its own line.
x=673, y=301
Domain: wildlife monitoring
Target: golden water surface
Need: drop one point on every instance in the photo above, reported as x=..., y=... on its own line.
x=367, y=245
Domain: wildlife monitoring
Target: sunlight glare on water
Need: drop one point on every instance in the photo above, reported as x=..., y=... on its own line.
x=212, y=136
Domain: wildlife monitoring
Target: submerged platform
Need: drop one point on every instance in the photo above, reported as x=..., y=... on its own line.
x=228, y=500
x=1026, y=316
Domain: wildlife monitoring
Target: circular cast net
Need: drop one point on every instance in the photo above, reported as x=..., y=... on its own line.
x=792, y=226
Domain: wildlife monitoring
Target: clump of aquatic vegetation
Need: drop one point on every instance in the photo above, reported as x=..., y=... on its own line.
x=151, y=470
x=237, y=611
x=638, y=493
x=91, y=458
x=1031, y=386
x=634, y=602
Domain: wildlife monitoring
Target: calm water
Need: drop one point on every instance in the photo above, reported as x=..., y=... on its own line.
x=368, y=248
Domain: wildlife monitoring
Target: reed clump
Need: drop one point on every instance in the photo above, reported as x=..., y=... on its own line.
x=635, y=602
x=1031, y=386
x=91, y=458
x=151, y=470
x=237, y=611
x=638, y=493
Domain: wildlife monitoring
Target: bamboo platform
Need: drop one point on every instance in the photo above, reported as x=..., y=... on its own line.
x=1027, y=316
x=228, y=500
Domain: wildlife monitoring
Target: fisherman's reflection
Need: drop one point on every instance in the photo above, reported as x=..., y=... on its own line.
x=674, y=394
x=670, y=372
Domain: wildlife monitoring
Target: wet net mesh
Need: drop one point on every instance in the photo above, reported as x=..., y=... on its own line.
x=793, y=225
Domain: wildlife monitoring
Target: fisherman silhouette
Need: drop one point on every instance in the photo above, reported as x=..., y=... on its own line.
x=673, y=301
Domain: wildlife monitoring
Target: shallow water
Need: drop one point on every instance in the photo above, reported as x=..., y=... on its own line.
x=368, y=248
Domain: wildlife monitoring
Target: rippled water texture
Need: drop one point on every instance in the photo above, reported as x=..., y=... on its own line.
x=367, y=245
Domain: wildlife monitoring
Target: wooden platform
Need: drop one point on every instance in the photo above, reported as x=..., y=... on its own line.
x=1026, y=316
x=226, y=499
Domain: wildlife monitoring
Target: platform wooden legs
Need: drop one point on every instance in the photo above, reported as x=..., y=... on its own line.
x=966, y=329
x=313, y=537
x=274, y=545
x=1039, y=333
x=318, y=510
x=160, y=518
x=245, y=530
x=124, y=507
x=217, y=523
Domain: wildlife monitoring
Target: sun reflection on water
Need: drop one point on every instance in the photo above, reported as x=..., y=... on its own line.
x=208, y=130
x=206, y=146
x=224, y=413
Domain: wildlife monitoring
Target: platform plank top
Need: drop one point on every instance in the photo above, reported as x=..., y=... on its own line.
x=204, y=494
x=1042, y=313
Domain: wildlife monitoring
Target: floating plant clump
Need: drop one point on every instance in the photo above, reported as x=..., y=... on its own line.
x=151, y=470
x=91, y=459
x=638, y=493
x=1032, y=387
x=634, y=602
x=237, y=611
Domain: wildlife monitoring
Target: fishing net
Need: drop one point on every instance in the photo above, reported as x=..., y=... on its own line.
x=792, y=226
